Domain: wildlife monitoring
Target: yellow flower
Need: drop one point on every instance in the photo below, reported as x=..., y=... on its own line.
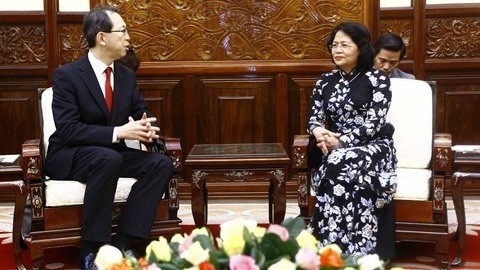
x=195, y=254
x=236, y=226
x=233, y=245
x=201, y=231
x=107, y=256
x=178, y=238
x=307, y=240
x=259, y=232
x=283, y=264
x=160, y=249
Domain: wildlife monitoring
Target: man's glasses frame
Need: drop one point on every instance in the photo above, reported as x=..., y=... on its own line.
x=123, y=31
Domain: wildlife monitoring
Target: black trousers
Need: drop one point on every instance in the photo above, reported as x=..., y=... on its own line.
x=386, y=233
x=100, y=168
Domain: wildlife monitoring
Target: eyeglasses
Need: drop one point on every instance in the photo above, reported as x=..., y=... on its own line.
x=342, y=46
x=123, y=31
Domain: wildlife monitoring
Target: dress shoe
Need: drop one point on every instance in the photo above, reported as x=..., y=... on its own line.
x=88, y=262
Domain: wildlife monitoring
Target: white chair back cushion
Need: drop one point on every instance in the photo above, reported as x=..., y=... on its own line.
x=411, y=114
x=66, y=192
x=47, y=117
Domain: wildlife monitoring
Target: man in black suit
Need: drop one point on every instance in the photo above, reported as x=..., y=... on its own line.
x=88, y=144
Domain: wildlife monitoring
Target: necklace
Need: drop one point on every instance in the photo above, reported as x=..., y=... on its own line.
x=349, y=81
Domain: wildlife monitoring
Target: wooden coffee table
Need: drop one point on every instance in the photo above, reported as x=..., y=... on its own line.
x=252, y=164
x=466, y=168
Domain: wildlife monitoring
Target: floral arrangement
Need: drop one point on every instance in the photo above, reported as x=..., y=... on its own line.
x=242, y=245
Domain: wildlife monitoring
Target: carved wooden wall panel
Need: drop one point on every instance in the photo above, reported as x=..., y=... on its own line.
x=172, y=30
x=403, y=28
x=22, y=44
x=71, y=42
x=19, y=121
x=462, y=101
x=299, y=101
x=236, y=110
x=453, y=37
x=165, y=99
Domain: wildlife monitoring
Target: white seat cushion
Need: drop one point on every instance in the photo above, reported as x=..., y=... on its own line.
x=60, y=192
x=413, y=184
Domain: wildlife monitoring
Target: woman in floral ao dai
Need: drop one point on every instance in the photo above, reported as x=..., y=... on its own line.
x=356, y=178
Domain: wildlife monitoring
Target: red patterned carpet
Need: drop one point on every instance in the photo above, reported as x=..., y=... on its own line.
x=409, y=255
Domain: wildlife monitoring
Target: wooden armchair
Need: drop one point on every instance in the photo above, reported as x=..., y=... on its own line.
x=424, y=162
x=56, y=205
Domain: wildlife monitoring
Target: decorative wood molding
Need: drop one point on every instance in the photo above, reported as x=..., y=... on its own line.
x=453, y=37
x=26, y=44
x=231, y=30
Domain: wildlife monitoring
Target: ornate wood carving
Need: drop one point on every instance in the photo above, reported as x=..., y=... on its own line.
x=403, y=28
x=233, y=29
x=453, y=37
x=24, y=44
x=72, y=44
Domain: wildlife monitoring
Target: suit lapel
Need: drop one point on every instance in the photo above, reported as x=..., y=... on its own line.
x=90, y=79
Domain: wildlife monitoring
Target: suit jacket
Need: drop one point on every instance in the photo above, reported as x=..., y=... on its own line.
x=81, y=114
x=397, y=73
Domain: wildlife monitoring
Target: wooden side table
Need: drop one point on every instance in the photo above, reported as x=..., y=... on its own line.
x=9, y=172
x=466, y=168
x=243, y=165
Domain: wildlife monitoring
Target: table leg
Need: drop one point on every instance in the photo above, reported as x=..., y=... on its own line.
x=458, y=180
x=199, y=202
x=277, y=190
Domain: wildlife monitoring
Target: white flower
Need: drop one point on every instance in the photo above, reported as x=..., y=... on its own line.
x=370, y=262
x=283, y=264
x=338, y=190
x=378, y=96
x=107, y=256
x=195, y=254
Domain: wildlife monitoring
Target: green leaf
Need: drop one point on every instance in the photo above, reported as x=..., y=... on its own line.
x=294, y=226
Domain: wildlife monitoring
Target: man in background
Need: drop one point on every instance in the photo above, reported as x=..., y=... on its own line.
x=389, y=51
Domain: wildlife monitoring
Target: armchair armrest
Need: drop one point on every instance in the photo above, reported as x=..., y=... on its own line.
x=442, y=167
x=301, y=172
x=32, y=163
x=174, y=151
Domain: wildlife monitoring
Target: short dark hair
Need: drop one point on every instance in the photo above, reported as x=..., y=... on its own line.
x=360, y=36
x=97, y=20
x=391, y=42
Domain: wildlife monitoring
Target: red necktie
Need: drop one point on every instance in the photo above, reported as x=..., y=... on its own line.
x=108, y=89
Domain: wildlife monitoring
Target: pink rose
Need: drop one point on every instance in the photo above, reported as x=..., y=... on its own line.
x=307, y=259
x=279, y=230
x=242, y=262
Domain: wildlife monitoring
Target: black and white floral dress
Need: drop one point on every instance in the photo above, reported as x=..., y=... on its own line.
x=358, y=179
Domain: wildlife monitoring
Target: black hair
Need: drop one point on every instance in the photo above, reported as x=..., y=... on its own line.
x=360, y=36
x=97, y=20
x=391, y=42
